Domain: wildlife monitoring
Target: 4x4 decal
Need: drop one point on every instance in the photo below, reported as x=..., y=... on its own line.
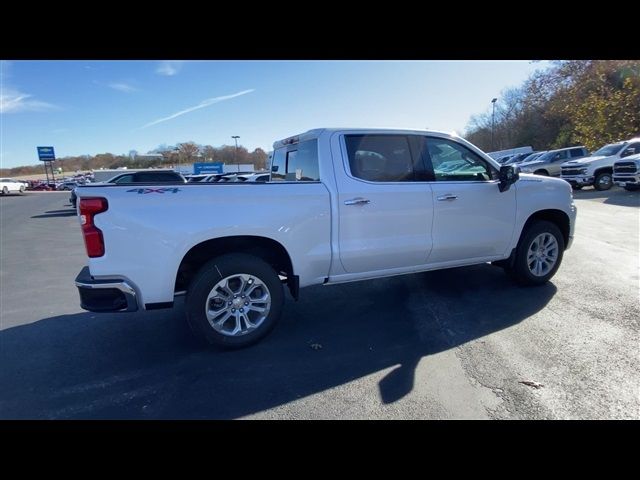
x=144, y=191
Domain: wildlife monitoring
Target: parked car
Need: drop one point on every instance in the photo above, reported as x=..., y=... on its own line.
x=149, y=176
x=341, y=205
x=597, y=170
x=67, y=185
x=626, y=173
x=164, y=177
x=522, y=157
x=9, y=185
x=505, y=158
x=549, y=163
x=253, y=177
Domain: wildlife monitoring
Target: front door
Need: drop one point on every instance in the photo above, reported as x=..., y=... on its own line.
x=472, y=218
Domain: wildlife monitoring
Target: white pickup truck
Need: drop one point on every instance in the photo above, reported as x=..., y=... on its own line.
x=341, y=205
x=597, y=169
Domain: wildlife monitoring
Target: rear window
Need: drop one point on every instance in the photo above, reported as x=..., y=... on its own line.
x=296, y=163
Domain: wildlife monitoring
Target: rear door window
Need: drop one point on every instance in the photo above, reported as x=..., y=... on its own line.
x=577, y=152
x=380, y=158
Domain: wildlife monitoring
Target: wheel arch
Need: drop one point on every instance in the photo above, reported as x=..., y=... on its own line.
x=600, y=170
x=268, y=249
x=555, y=216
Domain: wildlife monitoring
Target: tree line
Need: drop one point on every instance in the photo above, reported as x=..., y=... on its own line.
x=170, y=156
x=577, y=102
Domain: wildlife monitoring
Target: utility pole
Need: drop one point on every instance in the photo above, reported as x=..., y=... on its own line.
x=235, y=154
x=493, y=122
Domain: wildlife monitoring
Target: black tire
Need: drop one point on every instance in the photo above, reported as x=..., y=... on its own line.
x=22, y=189
x=5, y=191
x=631, y=188
x=603, y=181
x=544, y=173
x=520, y=270
x=577, y=187
x=214, y=271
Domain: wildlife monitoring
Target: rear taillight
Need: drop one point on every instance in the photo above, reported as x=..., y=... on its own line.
x=93, y=240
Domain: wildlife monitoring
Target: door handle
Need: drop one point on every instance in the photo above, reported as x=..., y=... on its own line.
x=446, y=197
x=357, y=201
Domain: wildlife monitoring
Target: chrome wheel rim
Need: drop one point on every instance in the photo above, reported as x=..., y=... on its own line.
x=604, y=180
x=238, y=304
x=542, y=254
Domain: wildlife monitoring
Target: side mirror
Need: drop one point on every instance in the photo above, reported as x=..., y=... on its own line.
x=509, y=174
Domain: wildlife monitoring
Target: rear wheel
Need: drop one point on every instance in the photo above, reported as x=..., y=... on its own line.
x=603, y=181
x=234, y=300
x=538, y=254
x=22, y=189
x=5, y=191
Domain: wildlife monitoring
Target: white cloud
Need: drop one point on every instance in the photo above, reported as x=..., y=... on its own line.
x=122, y=87
x=13, y=101
x=169, y=68
x=202, y=104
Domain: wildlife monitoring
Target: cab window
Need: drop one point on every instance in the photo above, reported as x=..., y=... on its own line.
x=454, y=162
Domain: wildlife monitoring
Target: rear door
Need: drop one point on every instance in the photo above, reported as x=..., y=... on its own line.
x=385, y=206
x=472, y=219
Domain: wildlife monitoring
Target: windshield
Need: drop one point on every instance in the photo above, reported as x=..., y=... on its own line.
x=608, y=150
x=545, y=157
x=531, y=157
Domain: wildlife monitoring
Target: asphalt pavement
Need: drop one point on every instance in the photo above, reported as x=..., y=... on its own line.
x=456, y=343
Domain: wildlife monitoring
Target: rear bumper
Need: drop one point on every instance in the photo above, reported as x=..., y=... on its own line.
x=105, y=295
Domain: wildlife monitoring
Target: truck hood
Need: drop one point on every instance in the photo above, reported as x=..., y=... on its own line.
x=584, y=161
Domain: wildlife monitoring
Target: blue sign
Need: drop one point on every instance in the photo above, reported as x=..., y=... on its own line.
x=207, y=167
x=46, y=154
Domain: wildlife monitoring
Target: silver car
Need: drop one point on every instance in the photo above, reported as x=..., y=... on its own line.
x=549, y=163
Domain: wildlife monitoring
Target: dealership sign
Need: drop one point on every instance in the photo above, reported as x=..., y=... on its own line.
x=46, y=154
x=207, y=167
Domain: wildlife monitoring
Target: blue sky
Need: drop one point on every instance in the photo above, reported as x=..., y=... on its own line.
x=89, y=107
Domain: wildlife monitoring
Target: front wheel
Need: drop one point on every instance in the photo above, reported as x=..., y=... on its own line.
x=576, y=187
x=603, y=181
x=538, y=254
x=5, y=191
x=234, y=301
x=544, y=173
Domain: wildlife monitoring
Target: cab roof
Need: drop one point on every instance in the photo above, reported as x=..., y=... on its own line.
x=316, y=132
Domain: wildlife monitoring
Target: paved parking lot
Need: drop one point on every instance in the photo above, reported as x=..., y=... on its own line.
x=447, y=344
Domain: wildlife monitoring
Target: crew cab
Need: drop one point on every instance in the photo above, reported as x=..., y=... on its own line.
x=626, y=173
x=597, y=170
x=341, y=205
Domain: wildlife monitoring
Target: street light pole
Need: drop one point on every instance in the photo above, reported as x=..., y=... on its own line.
x=493, y=121
x=235, y=155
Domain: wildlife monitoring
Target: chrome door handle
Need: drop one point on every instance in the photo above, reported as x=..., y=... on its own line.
x=357, y=201
x=448, y=196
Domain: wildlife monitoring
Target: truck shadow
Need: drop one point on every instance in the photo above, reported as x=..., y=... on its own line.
x=147, y=364
x=56, y=213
